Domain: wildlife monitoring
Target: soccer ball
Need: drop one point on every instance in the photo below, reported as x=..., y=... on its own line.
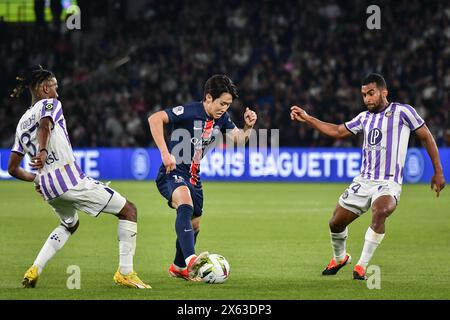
x=215, y=270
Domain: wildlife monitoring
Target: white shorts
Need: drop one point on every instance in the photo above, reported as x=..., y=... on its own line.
x=90, y=196
x=360, y=195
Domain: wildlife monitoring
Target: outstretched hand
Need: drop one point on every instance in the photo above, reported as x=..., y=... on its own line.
x=298, y=114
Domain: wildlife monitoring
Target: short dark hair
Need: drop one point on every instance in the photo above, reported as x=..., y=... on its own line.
x=32, y=78
x=376, y=78
x=219, y=84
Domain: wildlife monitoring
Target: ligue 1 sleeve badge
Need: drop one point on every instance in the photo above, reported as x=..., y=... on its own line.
x=178, y=110
x=49, y=106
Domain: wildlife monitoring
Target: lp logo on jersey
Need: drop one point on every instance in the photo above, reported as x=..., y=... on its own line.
x=375, y=136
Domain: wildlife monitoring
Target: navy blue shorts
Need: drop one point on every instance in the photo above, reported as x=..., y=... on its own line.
x=167, y=183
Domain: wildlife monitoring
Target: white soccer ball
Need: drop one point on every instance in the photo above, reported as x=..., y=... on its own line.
x=215, y=270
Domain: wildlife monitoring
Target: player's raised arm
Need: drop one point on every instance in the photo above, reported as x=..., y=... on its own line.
x=438, y=180
x=156, y=122
x=241, y=136
x=329, y=129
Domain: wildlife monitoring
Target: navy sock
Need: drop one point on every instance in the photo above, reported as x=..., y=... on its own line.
x=185, y=232
x=179, y=258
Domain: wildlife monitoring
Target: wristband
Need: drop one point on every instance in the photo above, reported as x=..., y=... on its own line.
x=43, y=149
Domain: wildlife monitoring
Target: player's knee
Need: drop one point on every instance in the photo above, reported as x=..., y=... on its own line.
x=336, y=226
x=73, y=228
x=128, y=212
x=381, y=213
x=181, y=196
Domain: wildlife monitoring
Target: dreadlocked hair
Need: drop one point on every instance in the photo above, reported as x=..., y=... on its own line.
x=34, y=77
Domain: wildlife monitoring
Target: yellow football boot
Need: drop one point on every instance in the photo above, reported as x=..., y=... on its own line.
x=130, y=280
x=31, y=277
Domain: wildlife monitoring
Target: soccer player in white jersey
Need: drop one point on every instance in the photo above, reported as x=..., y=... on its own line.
x=42, y=134
x=386, y=127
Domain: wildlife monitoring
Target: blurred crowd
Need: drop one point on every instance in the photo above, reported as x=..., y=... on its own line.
x=121, y=67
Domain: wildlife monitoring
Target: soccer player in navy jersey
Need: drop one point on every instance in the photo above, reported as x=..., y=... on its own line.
x=386, y=127
x=193, y=127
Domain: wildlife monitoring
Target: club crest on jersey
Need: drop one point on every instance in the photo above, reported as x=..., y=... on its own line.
x=388, y=114
x=178, y=110
x=375, y=136
x=49, y=106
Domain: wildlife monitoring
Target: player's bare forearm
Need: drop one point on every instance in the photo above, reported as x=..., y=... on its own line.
x=156, y=122
x=16, y=171
x=438, y=180
x=328, y=129
x=429, y=143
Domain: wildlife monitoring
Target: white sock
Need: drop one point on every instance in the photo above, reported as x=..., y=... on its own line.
x=338, y=243
x=372, y=240
x=127, y=232
x=55, y=241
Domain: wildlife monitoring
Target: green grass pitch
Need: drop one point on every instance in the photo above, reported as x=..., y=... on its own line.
x=275, y=236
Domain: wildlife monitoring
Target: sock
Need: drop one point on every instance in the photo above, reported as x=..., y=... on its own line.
x=338, y=244
x=184, y=230
x=372, y=240
x=179, y=258
x=55, y=241
x=127, y=233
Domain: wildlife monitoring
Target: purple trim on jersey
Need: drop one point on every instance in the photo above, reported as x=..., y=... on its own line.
x=404, y=117
x=44, y=187
x=43, y=108
x=366, y=118
x=353, y=123
x=61, y=123
x=378, y=152
x=52, y=185
x=414, y=113
x=397, y=168
x=80, y=172
x=369, y=153
x=60, y=179
x=58, y=114
x=364, y=143
x=70, y=174
x=55, y=104
x=390, y=129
